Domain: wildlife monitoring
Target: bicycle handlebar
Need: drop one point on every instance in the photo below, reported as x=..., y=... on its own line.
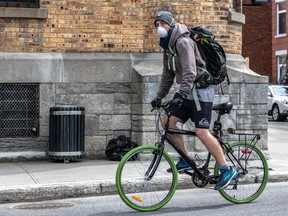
x=163, y=105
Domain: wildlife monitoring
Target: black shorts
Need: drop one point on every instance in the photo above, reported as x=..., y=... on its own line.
x=188, y=110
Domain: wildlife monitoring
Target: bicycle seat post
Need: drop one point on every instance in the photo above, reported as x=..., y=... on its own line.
x=217, y=127
x=220, y=109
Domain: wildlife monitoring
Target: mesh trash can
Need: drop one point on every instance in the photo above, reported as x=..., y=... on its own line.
x=66, y=133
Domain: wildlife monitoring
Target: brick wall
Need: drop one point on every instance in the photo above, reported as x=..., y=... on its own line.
x=113, y=26
x=257, y=31
x=278, y=43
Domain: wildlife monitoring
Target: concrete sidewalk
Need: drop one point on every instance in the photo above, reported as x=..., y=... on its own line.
x=28, y=181
x=55, y=180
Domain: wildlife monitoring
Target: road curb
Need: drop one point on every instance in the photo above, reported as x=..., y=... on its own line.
x=278, y=176
x=54, y=191
x=42, y=192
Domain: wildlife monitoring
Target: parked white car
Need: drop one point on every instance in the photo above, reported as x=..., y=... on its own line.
x=278, y=102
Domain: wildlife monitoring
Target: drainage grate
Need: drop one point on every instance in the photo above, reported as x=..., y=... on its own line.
x=19, y=110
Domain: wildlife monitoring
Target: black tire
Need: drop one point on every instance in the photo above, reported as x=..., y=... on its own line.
x=276, y=116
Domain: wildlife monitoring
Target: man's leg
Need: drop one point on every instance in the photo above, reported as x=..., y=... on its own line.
x=176, y=137
x=211, y=144
x=227, y=173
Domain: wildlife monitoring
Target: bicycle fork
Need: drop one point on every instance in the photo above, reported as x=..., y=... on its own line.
x=155, y=162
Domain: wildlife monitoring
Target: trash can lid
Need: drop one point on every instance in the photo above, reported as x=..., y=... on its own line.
x=66, y=108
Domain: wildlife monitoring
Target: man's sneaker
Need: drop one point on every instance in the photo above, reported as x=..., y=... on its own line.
x=181, y=166
x=225, y=177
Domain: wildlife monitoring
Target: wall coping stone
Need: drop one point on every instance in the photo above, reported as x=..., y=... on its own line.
x=36, y=13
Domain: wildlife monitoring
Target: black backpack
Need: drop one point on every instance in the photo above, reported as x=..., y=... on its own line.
x=117, y=148
x=212, y=52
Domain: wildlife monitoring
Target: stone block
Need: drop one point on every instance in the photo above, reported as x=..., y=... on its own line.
x=93, y=103
x=236, y=17
x=92, y=88
x=255, y=122
x=252, y=95
x=47, y=100
x=31, y=68
x=30, y=13
x=121, y=98
x=115, y=122
x=122, y=109
x=95, y=146
x=149, y=91
x=96, y=67
x=147, y=123
x=148, y=66
x=92, y=125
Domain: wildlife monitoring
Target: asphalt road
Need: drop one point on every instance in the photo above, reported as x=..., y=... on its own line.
x=272, y=202
x=196, y=202
x=278, y=138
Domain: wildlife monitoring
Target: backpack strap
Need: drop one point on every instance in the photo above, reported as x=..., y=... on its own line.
x=196, y=99
x=171, y=58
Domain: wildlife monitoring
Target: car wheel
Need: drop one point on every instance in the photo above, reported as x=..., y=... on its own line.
x=276, y=114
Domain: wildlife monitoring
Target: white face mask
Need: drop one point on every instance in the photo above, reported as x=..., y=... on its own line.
x=162, y=32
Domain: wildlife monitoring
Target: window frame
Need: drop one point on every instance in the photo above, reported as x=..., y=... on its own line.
x=279, y=55
x=278, y=12
x=19, y=4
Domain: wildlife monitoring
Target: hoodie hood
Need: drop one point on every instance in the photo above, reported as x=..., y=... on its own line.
x=178, y=31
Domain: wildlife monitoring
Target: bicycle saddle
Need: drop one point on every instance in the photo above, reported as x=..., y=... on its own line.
x=223, y=107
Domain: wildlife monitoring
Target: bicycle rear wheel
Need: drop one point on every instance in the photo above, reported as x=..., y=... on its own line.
x=253, y=173
x=133, y=186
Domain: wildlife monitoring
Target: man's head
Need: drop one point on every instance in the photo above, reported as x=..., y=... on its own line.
x=164, y=16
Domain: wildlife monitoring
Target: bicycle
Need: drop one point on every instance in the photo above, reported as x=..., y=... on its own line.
x=144, y=184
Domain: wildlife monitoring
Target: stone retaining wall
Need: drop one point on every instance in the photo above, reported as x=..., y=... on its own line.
x=116, y=90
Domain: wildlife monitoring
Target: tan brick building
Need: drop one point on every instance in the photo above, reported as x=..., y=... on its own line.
x=103, y=55
x=109, y=25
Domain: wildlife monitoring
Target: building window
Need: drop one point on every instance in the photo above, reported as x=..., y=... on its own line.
x=236, y=5
x=281, y=17
x=281, y=69
x=19, y=110
x=20, y=3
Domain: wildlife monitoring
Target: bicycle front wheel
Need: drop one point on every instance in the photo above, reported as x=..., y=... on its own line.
x=252, y=166
x=135, y=187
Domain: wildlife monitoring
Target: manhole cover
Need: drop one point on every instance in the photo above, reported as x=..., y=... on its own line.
x=39, y=206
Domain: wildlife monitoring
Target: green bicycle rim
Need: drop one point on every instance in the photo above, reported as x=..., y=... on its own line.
x=265, y=178
x=118, y=180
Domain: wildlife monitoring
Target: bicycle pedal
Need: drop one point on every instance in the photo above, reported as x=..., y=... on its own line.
x=189, y=172
x=182, y=171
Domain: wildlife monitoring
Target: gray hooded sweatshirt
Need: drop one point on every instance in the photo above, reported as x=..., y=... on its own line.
x=183, y=60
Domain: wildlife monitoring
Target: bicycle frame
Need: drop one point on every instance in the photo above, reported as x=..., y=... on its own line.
x=191, y=162
x=165, y=137
x=139, y=192
x=217, y=129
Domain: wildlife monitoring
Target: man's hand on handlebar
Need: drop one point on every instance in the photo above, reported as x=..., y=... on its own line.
x=156, y=103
